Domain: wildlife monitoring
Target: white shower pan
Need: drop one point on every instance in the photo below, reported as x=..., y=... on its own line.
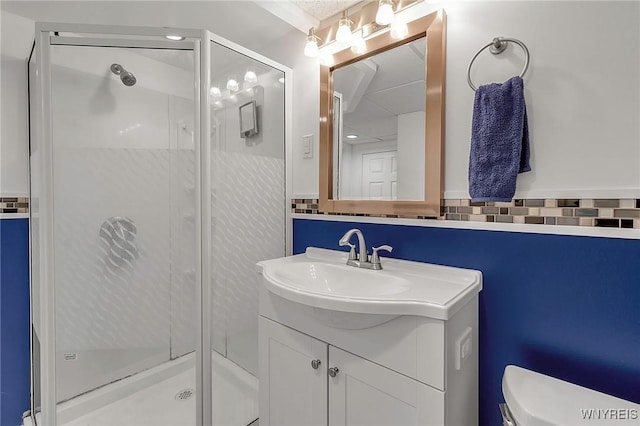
x=165, y=396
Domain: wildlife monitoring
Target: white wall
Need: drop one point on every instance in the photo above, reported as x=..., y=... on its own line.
x=16, y=35
x=306, y=109
x=582, y=92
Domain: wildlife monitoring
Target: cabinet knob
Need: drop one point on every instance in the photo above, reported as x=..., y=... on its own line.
x=333, y=371
x=315, y=364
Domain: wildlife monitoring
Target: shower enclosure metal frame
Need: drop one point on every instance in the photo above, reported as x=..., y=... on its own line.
x=46, y=35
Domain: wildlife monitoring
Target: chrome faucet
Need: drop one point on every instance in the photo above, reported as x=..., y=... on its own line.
x=362, y=259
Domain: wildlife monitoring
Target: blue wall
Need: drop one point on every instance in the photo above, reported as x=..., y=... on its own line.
x=14, y=320
x=565, y=306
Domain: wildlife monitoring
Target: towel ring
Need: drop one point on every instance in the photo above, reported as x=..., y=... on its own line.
x=497, y=46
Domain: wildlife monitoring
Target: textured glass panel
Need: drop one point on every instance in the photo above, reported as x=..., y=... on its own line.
x=124, y=223
x=248, y=219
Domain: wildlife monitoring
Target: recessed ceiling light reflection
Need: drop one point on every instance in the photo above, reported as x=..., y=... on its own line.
x=352, y=136
x=281, y=80
x=174, y=37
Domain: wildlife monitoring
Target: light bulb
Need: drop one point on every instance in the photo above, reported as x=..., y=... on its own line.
x=311, y=49
x=399, y=29
x=358, y=45
x=174, y=37
x=232, y=84
x=344, y=30
x=250, y=76
x=216, y=92
x=384, y=16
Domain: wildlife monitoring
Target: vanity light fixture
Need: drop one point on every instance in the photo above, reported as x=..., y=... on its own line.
x=358, y=45
x=174, y=37
x=385, y=16
x=232, y=84
x=344, y=29
x=311, y=49
x=250, y=76
x=344, y=37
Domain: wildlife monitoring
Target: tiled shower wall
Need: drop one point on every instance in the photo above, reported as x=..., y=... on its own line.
x=609, y=213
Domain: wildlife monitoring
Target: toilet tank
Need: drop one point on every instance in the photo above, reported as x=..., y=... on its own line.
x=533, y=399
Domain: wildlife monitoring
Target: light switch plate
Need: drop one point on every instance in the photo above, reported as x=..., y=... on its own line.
x=307, y=146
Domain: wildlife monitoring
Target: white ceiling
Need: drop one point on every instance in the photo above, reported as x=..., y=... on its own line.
x=323, y=9
x=243, y=22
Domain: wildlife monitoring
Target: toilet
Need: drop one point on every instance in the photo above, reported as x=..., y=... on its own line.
x=533, y=399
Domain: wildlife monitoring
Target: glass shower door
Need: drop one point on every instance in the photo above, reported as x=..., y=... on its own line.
x=124, y=213
x=248, y=219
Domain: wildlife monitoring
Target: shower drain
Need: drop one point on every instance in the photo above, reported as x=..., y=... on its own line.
x=184, y=394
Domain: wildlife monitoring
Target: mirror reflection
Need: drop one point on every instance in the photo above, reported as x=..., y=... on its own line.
x=379, y=126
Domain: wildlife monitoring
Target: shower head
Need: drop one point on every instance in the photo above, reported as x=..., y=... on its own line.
x=127, y=77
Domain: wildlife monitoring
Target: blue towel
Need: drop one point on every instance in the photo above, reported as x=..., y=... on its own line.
x=499, y=141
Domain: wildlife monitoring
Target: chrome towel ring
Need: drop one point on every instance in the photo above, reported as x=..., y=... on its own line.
x=497, y=46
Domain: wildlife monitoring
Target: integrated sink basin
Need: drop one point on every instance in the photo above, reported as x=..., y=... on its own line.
x=320, y=278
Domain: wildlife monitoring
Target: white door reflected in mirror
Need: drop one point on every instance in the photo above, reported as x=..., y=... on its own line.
x=379, y=126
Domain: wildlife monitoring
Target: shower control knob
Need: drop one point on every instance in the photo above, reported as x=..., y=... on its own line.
x=315, y=364
x=333, y=371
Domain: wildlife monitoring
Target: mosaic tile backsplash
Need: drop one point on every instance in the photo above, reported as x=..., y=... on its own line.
x=604, y=213
x=14, y=205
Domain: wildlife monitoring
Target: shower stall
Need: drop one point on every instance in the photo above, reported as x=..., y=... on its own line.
x=157, y=182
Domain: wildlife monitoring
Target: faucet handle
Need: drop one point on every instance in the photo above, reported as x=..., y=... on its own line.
x=375, y=259
x=352, y=250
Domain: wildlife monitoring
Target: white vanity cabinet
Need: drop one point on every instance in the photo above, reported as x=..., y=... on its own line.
x=330, y=354
x=297, y=388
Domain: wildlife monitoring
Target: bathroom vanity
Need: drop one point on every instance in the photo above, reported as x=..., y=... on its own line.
x=341, y=345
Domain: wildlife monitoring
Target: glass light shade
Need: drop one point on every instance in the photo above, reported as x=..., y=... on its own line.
x=232, y=84
x=399, y=29
x=358, y=45
x=311, y=49
x=384, y=16
x=344, y=31
x=250, y=76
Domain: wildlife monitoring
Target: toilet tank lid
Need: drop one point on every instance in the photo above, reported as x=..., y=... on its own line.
x=538, y=400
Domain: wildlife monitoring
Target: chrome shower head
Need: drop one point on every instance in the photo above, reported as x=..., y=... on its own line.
x=128, y=79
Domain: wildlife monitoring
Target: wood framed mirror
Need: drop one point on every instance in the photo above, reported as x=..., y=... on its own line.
x=382, y=195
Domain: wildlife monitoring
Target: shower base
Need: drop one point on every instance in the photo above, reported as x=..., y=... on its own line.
x=165, y=396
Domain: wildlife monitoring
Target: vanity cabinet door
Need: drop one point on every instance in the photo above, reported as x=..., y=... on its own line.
x=293, y=377
x=367, y=394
